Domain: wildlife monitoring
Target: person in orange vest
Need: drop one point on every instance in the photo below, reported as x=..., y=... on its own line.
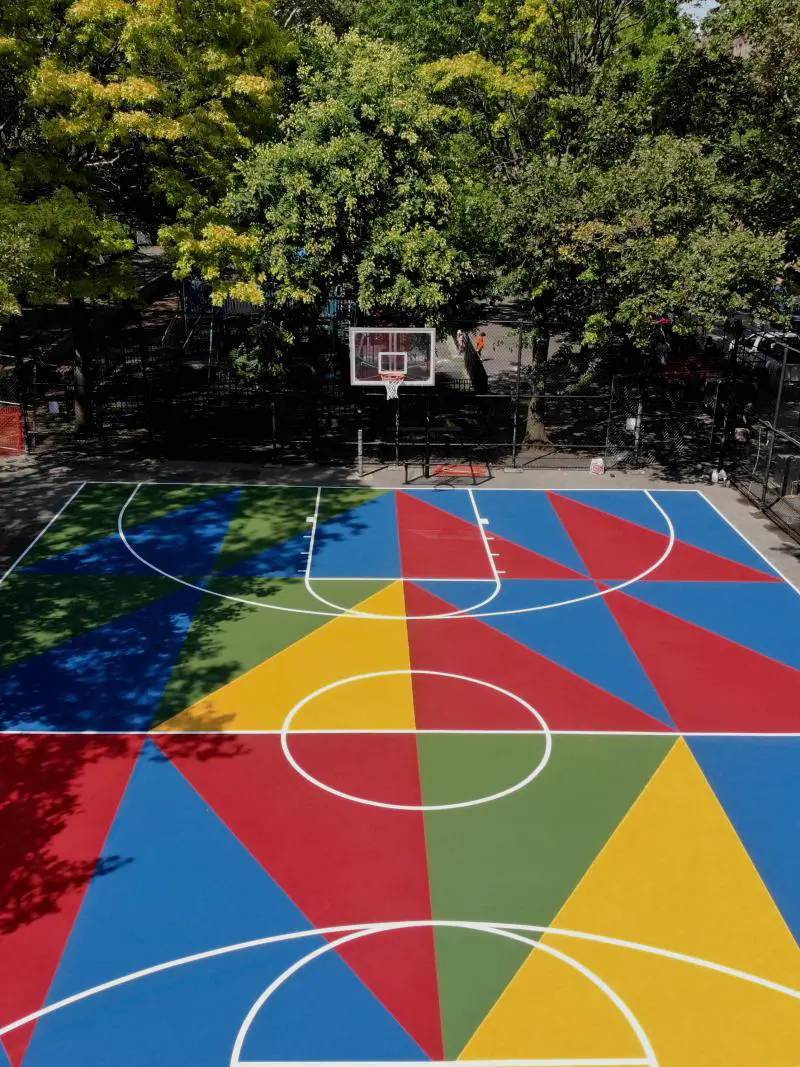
x=480, y=343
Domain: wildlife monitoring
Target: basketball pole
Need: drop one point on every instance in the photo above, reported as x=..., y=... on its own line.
x=397, y=431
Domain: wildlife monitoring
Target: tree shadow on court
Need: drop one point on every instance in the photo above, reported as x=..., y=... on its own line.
x=82, y=652
x=59, y=796
x=44, y=856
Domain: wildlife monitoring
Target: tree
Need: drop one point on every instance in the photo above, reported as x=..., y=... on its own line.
x=607, y=249
x=428, y=29
x=760, y=135
x=120, y=116
x=369, y=187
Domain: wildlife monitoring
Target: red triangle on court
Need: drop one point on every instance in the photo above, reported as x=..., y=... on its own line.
x=615, y=549
x=708, y=683
x=472, y=648
x=436, y=544
x=340, y=862
x=61, y=795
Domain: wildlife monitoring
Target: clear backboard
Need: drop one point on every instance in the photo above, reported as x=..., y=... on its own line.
x=380, y=355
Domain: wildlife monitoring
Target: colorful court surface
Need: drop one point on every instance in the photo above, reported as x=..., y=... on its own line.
x=329, y=775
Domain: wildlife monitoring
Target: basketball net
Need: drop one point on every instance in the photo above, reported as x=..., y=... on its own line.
x=392, y=380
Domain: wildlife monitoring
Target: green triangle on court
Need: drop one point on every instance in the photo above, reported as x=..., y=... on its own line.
x=478, y=870
x=248, y=622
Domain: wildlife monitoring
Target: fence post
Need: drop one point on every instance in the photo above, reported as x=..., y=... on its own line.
x=775, y=417
x=360, y=452
x=637, y=441
x=515, y=413
x=426, y=458
x=609, y=417
x=738, y=330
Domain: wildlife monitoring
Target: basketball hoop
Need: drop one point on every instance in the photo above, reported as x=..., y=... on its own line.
x=392, y=380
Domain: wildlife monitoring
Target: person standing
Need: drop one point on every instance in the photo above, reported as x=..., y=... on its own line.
x=480, y=343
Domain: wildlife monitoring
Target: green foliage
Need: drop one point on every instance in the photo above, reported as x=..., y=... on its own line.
x=428, y=29
x=368, y=186
x=608, y=248
x=117, y=115
x=596, y=156
x=265, y=354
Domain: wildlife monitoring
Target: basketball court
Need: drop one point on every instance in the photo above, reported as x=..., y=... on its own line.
x=319, y=775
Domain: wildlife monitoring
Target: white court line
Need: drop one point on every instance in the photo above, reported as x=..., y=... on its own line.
x=418, y=578
x=747, y=541
x=650, y=1058
x=349, y=614
x=325, y=931
x=354, y=613
x=537, y=770
x=41, y=534
x=448, y=1063
x=398, y=488
x=156, y=732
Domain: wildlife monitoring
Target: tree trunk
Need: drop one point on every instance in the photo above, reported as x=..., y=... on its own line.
x=535, y=429
x=82, y=368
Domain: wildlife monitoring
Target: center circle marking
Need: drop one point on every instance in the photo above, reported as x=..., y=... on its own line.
x=537, y=770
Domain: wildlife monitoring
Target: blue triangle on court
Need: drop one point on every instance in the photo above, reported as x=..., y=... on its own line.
x=363, y=542
x=765, y=618
x=697, y=523
x=183, y=884
x=632, y=505
x=109, y=678
x=579, y=634
x=285, y=560
x=183, y=542
x=755, y=780
x=530, y=520
x=314, y=1016
x=454, y=501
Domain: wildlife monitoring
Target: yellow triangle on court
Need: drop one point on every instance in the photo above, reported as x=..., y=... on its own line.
x=673, y=876
x=345, y=648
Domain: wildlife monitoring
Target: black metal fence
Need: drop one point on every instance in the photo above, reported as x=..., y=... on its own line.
x=630, y=423
x=181, y=400
x=764, y=455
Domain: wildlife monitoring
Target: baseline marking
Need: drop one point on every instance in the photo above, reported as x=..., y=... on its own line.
x=368, y=615
x=537, y=770
x=398, y=489
x=157, y=732
x=634, y=1024
x=274, y=939
x=41, y=534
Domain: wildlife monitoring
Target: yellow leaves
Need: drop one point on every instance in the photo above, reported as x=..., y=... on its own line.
x=248, y=292
x=534, y=12
x=472, y=66
x=226, y=237
x=97, y=10
x=55, y=84
x=9, y=45
x=131, y=90
x=257, y=87
x=157, y=127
